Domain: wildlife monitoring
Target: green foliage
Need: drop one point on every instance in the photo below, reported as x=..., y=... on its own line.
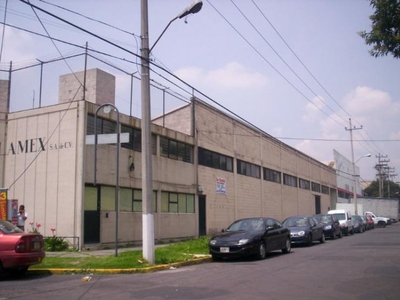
x=388, y=186
x=55, y=243
x=385, y=34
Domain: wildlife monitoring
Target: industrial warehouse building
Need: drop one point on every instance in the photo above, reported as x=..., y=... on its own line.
x=209, y=169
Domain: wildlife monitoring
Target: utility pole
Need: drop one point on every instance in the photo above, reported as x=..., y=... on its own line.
x=147, y=166
x=351, y=128
x=382, y=163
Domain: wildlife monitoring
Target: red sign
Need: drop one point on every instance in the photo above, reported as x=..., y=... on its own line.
x=3, y=205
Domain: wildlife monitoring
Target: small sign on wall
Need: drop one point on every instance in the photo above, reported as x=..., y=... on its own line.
x=3, y=204
x=221, y=185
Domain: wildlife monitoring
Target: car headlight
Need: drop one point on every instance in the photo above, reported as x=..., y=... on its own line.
x=213, y=242
x=327, y=227
x=243, y=241
x=301, y=233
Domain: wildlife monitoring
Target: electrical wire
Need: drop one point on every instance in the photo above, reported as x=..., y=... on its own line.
x=4, y=31
x=284, y=61
x=272, y=66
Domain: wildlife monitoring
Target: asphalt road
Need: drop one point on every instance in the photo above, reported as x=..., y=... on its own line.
x=364, y=266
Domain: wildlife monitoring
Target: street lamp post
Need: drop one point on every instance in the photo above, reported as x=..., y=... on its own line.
x=108, y=105
x=147, y=168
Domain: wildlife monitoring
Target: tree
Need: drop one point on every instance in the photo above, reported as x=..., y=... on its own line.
x=373, y=189
x=385, y=34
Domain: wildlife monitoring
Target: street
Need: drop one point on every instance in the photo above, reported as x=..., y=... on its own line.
x=362, y=266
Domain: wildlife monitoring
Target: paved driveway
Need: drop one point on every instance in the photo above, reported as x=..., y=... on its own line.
x=359, y=267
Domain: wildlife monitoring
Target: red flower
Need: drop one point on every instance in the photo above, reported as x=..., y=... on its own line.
x=38, y=225
x=52, y=229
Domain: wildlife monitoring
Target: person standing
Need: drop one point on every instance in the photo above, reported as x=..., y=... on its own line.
x=22, y=216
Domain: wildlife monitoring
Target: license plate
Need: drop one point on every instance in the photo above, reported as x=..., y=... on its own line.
x=224, y=249
x=36, y=245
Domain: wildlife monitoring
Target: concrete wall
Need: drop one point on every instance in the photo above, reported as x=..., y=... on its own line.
x=100, y=87
x=248, y=196
x=44, y=168
x=381, y=207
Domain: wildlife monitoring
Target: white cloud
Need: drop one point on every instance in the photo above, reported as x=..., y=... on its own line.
x=18, y=46
x=231, y=76
x=313, y=110
x=374, y=109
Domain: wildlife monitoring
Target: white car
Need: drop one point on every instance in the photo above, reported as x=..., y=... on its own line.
x=379, y=221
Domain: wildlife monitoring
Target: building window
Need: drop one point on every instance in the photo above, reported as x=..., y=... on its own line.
x=135, y=135
x=176, y=150
x=304, y=184
x=177, y=202
x=325, y=190
x=130, y=200
x=248, y=169
x=289, y=180
x=315, y=187
x=272, y=175
x=215, y=160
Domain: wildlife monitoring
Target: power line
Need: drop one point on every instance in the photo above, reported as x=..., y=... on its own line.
x=284, y=61
x=270, y=64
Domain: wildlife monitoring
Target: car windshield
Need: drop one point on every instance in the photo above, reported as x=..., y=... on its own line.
x=295, y=222
x=324, y=218
x=341, y=216
x=6, y=227
x=247, y=225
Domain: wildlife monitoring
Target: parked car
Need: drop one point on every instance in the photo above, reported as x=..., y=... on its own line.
x=370, y=222
x=250, y=237
x=365, y=223
x=331, y=225
x=19, y=250
x=305, y=230
x=357, y=223
x=379, y=221
x=344, y=217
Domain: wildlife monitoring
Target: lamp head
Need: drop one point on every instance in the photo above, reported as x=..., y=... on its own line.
x=107, y=109
x=194, y=8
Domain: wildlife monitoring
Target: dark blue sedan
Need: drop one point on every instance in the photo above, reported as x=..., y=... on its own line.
x=305, y=230
x=250, y=237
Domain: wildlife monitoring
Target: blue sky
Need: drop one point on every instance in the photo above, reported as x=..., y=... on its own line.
x=235, y=52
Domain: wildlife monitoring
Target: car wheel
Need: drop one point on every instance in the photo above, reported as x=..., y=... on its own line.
x=309, y=240
x=346, y=232
x=262, y=252
x=216, y=257
x=288, y=246
x=381, y=224
x=18, y=272
x=322, y=239
x=2, y=272
x=340, y=234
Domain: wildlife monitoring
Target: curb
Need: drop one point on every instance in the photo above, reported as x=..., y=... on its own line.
x=119, y=271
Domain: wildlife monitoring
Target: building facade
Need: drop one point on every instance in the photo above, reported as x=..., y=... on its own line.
x=208, y=169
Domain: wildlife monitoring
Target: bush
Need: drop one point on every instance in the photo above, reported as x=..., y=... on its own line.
x=55, y=243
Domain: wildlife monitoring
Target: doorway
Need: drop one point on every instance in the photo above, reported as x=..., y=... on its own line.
x=202, y=215
x=317, y=204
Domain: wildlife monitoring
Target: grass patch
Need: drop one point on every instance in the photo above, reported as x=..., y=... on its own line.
x=179, y=252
